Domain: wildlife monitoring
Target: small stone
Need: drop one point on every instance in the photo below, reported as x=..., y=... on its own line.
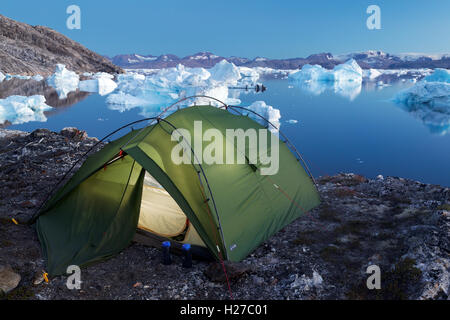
x=8, y=279
x=258, y=280
x=38, y=277
x=73, y=133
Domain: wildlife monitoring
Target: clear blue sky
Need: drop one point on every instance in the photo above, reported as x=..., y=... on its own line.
x=274, y=29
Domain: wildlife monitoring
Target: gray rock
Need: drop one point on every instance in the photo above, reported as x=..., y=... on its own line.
x=9, y=280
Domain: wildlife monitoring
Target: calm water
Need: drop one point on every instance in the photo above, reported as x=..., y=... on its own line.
x=369, y=135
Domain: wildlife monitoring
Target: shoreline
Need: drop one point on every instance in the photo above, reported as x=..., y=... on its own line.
x=398, y=224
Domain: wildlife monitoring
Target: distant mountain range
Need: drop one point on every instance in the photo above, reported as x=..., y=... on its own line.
x=367, y=60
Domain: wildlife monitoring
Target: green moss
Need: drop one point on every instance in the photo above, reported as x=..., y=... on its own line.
x=396, y=284
x=354, y=180
x=404, y=275
x=303, y=240
x=5, y=220
x=20, y=293
x=6, y=243
x=445, y=207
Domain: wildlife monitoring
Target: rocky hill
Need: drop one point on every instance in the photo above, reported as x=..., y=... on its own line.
x=30, y=50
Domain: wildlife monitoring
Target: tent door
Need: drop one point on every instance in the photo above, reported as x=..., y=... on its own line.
x=161, y=215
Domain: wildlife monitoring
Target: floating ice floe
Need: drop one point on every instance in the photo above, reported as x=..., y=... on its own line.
x=101, y=83
x=439, y=75
x=371, y=74
x=268, y=112
x=292, y=121
x=37, y=77
x=21, y=109
x=63, y=80
x=429, y=101
x=157, y=89
x=345, y=79
x=433, y=94
x=348, y=71
x=160, y=88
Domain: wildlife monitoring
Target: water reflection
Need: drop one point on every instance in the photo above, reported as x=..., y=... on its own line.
x=347, y=89
x=29, y=87
x=436, y=119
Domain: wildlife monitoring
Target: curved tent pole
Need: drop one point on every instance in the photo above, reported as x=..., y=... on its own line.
x=36, y=214
x=284, y=136
x=173, y=105
x=206, y=180
x=224, y=105
x=214, y=203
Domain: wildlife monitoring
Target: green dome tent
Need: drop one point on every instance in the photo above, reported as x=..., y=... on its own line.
x=133, y=183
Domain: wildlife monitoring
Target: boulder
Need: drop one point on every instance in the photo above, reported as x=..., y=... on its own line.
x=8, y=278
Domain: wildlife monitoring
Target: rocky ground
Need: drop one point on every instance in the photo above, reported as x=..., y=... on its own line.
x=400, y=225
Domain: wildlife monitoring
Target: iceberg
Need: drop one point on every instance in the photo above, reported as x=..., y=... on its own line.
x=312, y=73
x=268, y=112
x=157, y=89
x=348, y=71
x=225, y=73
x=439, y=75
x=429, y=101
x=63, y=80
x=101, y=83
x=38, y=77
x=371, y=74
x=433, y=94
x=21, y=109
x=345, y=79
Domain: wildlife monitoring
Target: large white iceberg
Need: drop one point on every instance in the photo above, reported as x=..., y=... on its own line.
x=225, y=73
x=345, y=79
x=268, y=112
x=63, y=80
x=429, y=101
x=21, y=109
x=312, y=73
x=158, y=89
x=433, y=90
x=433, y=94
x=348, y=71
x=101, y=83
